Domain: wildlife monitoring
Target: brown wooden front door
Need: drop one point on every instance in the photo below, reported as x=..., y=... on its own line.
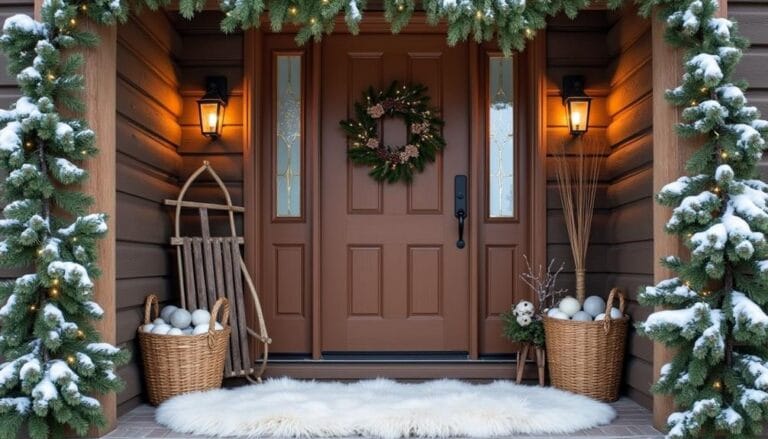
x=392, y=276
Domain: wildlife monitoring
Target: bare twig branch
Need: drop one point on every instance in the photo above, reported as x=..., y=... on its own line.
x=543, y=283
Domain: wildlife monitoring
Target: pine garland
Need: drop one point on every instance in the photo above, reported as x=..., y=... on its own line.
x=715, y=318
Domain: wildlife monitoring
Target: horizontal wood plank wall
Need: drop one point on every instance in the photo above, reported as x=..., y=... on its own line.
x=8, y=90
x=629, y=193
x=148, y=166
x=207, y=51
x=577, y=47
x=752, y=16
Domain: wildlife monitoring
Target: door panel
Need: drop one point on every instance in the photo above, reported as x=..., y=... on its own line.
x=392, y=277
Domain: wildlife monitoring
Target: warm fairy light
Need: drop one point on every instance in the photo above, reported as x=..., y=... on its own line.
x=724, y=155
x=74, y=239
x=312, y=20
x=80, y=334
x=704, y=89
x=400, y=7
x=54, y=292
x=71, y=359
x=705, y=293
x=528, y=32
x=55, y=281
x=51, y=77
x=479, y=15
x=694, y=103
x=83, y=152
x=84, y=7
x=716, y=190
x=40, y=252
x=717, y=385
x=293, y=10
x=33, y=308
x=72, y=22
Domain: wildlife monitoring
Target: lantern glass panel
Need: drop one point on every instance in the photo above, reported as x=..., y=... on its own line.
x=210, y=117
x=578, y=115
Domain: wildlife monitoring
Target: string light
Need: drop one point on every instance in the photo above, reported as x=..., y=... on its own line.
x=528, y=32
x=717, y=385
x=54, y=293
x=29, y=145
x=55, y=281
x=40, y=252
x=80, y=334
x=704, y=89
x=84, y=7
x=716, y=190
x=724, y=155
x=705, y=293
x=293, y=10
x=72, y=22
x=74, y=239
x=70, y=359
x=312, y=20
x=479, y=15
x=33, y=308
x=51, y=77
x=400, y=8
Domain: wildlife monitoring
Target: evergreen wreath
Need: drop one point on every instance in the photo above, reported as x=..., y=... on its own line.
x=394, y=163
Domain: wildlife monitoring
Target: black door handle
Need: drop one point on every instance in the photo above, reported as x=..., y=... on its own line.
x=460, y=215
x=460, y=205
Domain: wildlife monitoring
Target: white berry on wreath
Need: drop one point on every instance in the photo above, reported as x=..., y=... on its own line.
x=524, y=308
x=524, y=320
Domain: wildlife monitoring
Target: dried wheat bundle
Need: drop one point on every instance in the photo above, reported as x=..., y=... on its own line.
x=577, y=178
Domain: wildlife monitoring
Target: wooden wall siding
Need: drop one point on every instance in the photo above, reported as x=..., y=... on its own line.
x=577, y=47
x=8, y=90
x=148, y=165
x=208, y=51
x=752, y=16
x=629, y=173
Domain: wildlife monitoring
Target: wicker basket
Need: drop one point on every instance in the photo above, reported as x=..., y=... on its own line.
x=176, y=364
x=587, y=357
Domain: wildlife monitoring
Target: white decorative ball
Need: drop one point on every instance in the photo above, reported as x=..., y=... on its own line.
x=161, y=329
x=147, y=328
x=187, y=331
x=159, y=321
x=552, y=311
x=569, y=306
x=200, y=329
x=524, y=320
x=582, y=316
x=167, y=311
x=524, y=308
x=181, y=318
x=200, y=316
x=175, y=331
x=594, y=305
x=600, y=316
x=559, y=315
x=218, y=326
x=616, y=314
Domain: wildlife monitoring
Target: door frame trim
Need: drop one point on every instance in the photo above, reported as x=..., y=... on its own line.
x=537, y=155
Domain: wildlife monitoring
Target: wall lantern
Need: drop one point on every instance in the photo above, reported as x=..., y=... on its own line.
x=211, y=106
x=577, y=104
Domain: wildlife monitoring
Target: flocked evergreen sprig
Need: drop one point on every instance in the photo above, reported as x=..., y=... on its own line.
x=54, y=360
x=715, y=307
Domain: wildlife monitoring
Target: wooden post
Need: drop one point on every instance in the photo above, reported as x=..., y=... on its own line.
x=100, y=98
x=670, y=154
x=100, y=74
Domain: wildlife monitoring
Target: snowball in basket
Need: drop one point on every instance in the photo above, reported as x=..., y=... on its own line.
x=178, y=321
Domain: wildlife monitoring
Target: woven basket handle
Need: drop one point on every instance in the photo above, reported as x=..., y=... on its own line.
x=609, y=305
x=151, y=304
x=221, y=305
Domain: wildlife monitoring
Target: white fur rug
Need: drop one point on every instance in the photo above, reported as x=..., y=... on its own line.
x=381, y=409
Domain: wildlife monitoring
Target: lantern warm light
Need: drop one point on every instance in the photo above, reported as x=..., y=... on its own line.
x=577, y=104
x=211, y=106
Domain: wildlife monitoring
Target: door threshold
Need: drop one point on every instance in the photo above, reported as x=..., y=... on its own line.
x=391, y=358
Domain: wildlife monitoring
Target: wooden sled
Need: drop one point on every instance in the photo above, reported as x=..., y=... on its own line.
x=211, y=267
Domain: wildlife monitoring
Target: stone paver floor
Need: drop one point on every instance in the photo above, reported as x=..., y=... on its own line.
x=633, y=421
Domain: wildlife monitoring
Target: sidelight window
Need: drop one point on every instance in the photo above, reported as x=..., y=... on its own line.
x=501, y=144
x=288, y=130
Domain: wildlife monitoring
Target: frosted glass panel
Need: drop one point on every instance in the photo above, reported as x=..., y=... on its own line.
x=288, y=129
x=501, y=145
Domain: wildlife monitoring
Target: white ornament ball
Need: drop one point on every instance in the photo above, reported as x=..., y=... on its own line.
x=187, y=331
x=524, y=320
x=175, y=331
x=159, y=321
x=200, y=329
x=582, y=316
x=218, y=326
x=594, y=305
x=524, y=308
x=616, y=314
x=181, y=318
x=147, y=328
x=600, y=316
x=200, y=316
x=559, y=315
x=552, y=311
x=569, y=306
x=161, y=329
x=167, y=311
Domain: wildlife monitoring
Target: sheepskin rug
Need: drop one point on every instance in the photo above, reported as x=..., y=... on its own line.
x=381, y=408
